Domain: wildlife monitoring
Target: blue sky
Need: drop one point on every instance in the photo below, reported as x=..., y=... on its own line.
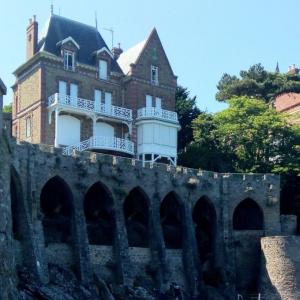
x=202, y=38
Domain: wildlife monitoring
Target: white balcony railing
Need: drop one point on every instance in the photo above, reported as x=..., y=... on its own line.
x=157, y=113
x=90, y=106
x=102, y=143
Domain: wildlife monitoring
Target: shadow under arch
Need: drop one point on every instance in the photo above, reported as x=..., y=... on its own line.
x=248, y=215
x=22, y=230
x=18, y=209
x=99, y=215
x=248, y=225
x=136, y=213
x=205, y=220
x=56, y=202
x=171, y=219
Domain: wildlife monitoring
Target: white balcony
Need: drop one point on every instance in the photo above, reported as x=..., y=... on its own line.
x=75, y=104
x=157, y=113
x=102, y=143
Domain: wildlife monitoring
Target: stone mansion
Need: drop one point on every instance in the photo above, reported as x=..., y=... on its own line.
x=76, y=93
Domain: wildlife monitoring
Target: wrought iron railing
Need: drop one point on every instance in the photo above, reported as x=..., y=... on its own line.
x=158, y=113
x=91, y=106
x=102, y=143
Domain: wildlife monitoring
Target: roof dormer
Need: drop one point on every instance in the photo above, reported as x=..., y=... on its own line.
x=69, y=48
x=104, y=60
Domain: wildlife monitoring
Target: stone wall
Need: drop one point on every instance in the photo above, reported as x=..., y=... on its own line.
x=155, y=266
x=282, y=263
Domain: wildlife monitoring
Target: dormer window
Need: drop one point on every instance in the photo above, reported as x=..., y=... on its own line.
x=154, y=75
x=69, y=60
x=103, y=69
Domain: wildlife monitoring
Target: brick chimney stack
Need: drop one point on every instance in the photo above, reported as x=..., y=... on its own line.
x=117, y=51
x=32, y=37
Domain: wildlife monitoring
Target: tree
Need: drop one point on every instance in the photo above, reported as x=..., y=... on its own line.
x=7, y=108
x=248, y=136
x=187, y=111
x=257, y=83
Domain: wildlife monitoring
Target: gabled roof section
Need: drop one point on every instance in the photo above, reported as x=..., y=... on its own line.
x=130, y=56
x=68, y=39
x=2, y=88
x=87, y=37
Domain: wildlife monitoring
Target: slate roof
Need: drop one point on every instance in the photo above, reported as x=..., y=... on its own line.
x=89, y=39
x=2, y=87
x=130, y=56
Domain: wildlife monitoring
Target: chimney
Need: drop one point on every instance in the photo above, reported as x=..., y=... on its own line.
x=117, y=51
x=32, y=37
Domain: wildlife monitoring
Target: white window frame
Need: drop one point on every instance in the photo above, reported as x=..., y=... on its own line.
x=103, y=76
x=28, y=127
x=154, y=75
x=69, y=60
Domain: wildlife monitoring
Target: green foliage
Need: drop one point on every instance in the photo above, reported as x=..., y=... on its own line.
x=7, y=108
x=187, y=111
x=248, y=136
x=257, y=83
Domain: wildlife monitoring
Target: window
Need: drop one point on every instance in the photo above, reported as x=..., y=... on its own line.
x=28, y=127
x=154, y=75
x=103, y=69
x=69, y=60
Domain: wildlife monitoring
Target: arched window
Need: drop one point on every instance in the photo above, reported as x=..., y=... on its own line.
x=248, y=216
x=99, y=215
x=56, y=205
x=137, y=218
x=204, y=217
x=171, y=221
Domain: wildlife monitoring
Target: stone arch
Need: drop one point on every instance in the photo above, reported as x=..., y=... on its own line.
x=136, y=213
x=56, y=203
x=99, y=215
x=171, y=218
x=205, y=220
x=248, y=216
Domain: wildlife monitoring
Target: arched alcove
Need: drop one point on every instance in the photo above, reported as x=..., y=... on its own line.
x=248, y=216
x=171, y=221
x=99, y=215
x=136, y=213
x=56, y=205
x=204, y=217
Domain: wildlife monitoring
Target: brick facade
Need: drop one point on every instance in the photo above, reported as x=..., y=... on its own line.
x=290, y=104
x=39, y=77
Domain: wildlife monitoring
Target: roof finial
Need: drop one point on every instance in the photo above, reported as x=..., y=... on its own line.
x=96, y=20
x=277, y=68
x=51, y=8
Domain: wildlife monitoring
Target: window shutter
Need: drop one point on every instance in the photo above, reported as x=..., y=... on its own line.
x=103, y=69
x=148, y=101
x=158, y=103
x=74, y=93
x=98, y=99
x=108, y=98
x=62, y=88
